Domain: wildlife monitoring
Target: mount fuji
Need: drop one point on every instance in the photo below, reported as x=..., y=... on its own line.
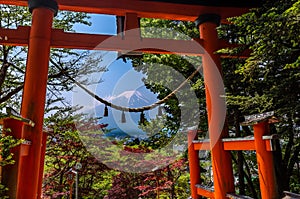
x=133, y=99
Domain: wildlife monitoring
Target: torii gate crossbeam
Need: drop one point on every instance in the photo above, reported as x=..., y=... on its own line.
x=61, y=39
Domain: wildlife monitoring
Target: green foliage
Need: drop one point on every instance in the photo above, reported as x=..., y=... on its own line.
x=269, y=78
x=7, y=143
x=3, y=190
x=251, y=104
x=168, y=29
x=103, y=185
x=63, y=62
x=170, y=182
x=182, y=186
x=64, y=151
x=271, y=49
x=164, y=73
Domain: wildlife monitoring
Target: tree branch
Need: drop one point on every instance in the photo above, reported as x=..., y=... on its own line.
x=10, y=94
x=5, y=65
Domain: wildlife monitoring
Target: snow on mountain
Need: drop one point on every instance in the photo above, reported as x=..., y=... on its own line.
x=133, y=98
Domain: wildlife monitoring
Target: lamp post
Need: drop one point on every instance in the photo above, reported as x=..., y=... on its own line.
x=76, y=183
x=70, y=177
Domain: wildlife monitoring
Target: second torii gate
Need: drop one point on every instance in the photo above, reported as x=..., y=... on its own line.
x=40, y=37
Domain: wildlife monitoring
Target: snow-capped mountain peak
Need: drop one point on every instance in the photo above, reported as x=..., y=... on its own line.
x=133, y=97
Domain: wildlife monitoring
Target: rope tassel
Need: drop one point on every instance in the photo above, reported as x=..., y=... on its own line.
x=142, y=118
x=105, y=111
x=123, y=118
x=159, y=112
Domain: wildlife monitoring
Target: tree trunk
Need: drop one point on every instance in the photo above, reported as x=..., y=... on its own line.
x=240, y=161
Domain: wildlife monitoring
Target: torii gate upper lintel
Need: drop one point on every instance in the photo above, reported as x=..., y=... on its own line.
x=163, y=9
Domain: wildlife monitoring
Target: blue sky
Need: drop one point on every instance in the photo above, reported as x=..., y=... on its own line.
x=119, y=78
x=102, y=24
x=106, y=24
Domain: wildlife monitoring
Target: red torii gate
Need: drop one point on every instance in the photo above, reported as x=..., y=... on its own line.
x=40, y=37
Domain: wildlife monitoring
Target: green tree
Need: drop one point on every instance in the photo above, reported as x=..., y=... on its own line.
x=64, y=150
x=64, y=63
x=169, y=182
x=164, y=73
x=269, y=78
x=7, y=143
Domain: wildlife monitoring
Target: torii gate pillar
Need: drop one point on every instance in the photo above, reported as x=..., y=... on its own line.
x=34, y=95
x=221, y=159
